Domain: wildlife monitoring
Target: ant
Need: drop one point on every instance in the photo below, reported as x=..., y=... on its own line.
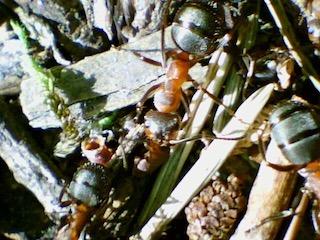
x=89, y=187
x=198, y=29
x=295, y=128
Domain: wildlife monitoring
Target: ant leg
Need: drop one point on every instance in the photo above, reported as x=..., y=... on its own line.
x=201, y=136
x=147, y=60
x=164, y=23
x=64, y=203
x=283, y=214
x=144, y=98
x=315, y=216
x=298, y=217
x=185, y=104
x=218, y=101
x=285, y=168
x=297, y=210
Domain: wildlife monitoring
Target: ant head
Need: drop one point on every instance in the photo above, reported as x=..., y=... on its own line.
x=161, y=126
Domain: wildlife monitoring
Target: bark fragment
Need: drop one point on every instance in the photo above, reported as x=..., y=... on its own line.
x=29, y=165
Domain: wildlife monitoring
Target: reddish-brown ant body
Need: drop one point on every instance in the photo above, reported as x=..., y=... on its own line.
x=78, y=220
x=160, y=128
x=202, y=33
x=89, y=186
x=169, y=94
x=162, y=125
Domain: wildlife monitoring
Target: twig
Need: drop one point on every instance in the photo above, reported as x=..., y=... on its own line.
x=269, y=196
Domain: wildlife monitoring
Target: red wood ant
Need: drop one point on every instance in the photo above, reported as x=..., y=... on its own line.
x=202, y=26
x=295, y=128
x=197, y=30
x=89, y=186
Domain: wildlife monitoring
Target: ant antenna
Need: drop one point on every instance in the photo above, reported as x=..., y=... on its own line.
x=163, y=25
x=283, y=214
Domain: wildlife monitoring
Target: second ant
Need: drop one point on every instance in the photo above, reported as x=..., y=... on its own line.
x=196, y=35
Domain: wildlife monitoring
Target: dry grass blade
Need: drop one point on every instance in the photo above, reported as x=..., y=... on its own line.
x=209, y=162
x=231, y=99
x=200, y=106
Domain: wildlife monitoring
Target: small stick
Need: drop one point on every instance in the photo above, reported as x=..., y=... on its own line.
x=270, y=194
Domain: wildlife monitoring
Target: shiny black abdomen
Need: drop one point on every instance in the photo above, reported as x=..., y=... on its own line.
x=296, y=130
x=197, y=27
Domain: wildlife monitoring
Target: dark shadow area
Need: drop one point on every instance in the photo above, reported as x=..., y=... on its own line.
x=74, y=85
x=20, y=212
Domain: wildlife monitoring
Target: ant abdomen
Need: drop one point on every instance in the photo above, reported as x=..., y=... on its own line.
x=90, y=184
x=198, y=26
x=296, y=130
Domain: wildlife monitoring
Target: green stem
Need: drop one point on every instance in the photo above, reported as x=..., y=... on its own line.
x=47, y=79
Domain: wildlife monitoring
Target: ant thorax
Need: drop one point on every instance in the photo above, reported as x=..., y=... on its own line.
x=178, y=70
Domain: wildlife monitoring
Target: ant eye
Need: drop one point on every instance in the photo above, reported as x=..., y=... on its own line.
x=197, y=27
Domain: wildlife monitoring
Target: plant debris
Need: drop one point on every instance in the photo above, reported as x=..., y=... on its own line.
x=101, y=113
